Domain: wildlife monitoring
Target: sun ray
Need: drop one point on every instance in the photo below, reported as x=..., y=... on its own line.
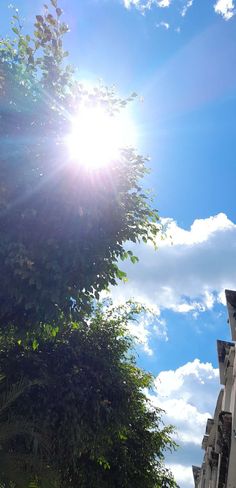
x=96, y=137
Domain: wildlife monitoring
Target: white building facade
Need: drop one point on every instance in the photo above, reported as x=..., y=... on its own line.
x=218, y=469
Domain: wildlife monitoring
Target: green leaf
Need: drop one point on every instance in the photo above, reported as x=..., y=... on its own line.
x=121, y=274
x=134, y=259
x=35, y=345
x=15, y=30
x=55, y=331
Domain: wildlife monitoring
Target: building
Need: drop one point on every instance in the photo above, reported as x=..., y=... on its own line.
x=218, y=469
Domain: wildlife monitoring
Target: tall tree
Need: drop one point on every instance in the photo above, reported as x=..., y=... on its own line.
x=63, y=230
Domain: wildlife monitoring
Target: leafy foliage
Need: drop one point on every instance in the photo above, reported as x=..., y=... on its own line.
x=89, y=400
x=63, y=229
x=23, y=447
x=73, y=409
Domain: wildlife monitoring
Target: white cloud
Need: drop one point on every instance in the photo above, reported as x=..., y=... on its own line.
x=226, y=8
x=188, y=384
x=164, y=3
x=143, y=5
x=165, y=25
x=183, y=475
x=149, y=325
x=186, y=7
x=188, y=395
x=130, y=3
x=189, y=276
x=141, y=332
x=200, y=230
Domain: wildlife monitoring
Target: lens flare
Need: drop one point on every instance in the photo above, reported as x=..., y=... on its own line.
x=97, y=137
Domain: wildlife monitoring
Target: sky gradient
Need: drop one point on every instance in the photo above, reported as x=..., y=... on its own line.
x=179, y=56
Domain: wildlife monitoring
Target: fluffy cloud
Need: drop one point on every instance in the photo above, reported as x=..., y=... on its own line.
x=225, y=8
x=190, y=270
x=187, y=274
x=164, y=3
x=149, y=325
x=188, y=395
x=200, y=230
x=183, y=475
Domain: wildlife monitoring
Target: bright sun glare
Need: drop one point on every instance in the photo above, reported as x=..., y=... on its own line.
x=96, y=136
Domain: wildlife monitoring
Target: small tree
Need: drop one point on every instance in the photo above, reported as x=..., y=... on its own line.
x=88, y=400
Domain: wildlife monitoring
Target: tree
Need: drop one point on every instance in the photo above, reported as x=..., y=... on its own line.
x=62, y=229
x=89, y=400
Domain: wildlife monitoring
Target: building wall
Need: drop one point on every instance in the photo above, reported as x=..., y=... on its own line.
x=218, y=469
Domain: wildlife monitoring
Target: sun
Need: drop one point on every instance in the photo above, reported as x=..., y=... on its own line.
x=97, y=137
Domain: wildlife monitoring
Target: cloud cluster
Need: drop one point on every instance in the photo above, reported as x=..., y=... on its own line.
x=143, y=5
x=225, y=8
x=188, y=396
x=187, y=274
x=189, y=271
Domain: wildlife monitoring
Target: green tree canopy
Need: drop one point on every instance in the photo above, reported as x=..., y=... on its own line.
x=87, y=398
x=63, y=228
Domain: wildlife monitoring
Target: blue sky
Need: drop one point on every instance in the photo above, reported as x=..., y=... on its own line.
x=179, y=56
